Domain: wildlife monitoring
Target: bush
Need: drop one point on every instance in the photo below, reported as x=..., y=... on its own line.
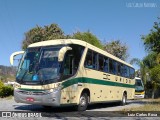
x=1, y=84
x=1, y=87
x=5, y=90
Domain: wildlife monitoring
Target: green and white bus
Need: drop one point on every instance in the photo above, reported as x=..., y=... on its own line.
x=71, y=72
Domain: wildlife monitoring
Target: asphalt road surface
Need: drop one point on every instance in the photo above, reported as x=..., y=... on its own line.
x=100, y=111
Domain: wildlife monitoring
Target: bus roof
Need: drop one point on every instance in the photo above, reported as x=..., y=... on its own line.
x=78, y=42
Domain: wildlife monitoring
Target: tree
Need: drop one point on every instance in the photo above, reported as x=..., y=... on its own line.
x=158, y=58
x=152, y=40
x=38, y=34
x=148, y=71
x=150, y=60
x=88, y=37
x=117, y=49
x=155, y=77
x=143, y=69
x=53, y=31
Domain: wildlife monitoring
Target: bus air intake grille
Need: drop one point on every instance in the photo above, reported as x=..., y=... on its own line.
x=31, y=92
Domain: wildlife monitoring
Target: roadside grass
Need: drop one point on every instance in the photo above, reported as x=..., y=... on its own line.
x=150, y=105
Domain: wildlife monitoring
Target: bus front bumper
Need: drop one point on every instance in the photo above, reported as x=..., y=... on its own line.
x=138, y=96
x=38, y=97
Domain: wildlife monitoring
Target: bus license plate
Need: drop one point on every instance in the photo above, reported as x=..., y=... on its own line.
x=30, y=99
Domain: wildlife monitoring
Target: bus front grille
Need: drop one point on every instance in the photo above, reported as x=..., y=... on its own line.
x=31, y=92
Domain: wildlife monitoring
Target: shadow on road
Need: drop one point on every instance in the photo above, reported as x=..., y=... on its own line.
x=62, y=112
x=65, y=109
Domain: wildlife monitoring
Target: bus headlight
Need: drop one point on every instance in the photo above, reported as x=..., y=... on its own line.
x=57, y=88
x=54, y=90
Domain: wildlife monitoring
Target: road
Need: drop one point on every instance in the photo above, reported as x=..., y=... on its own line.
x=11, y=105
x=102, y=111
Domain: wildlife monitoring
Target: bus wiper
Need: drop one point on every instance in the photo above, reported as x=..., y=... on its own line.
x=54, y=79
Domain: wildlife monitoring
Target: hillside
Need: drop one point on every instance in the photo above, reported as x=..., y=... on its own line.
x=7, y=73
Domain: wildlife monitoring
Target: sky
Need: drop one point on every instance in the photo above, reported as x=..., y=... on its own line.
x=124, y=20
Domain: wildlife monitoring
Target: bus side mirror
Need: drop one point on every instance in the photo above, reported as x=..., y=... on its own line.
x=13, y=55
x=62, y=52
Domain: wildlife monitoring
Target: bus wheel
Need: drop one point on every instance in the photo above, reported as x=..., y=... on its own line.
x=83, y=102
x=124, y=99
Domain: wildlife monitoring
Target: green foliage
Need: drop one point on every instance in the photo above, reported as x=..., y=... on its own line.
x=152, y=40
x=155, y=78
x=38, y=34
x=155, y=74
x=147, y=69
x=1, y=84
x=143, y=69
x=6, y=91
x=117, y=49
x=158, y=59
x=53, y=31
x=150, y=60
x=1, y=88
x=88, y=37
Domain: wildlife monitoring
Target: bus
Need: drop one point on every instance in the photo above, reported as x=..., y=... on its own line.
x=71, y=72
x=139, y=88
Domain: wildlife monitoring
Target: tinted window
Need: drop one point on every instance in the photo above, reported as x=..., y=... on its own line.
x=91, y=60
x=88, y=61
x=126, y=71
x=119, y=69
x=106, y=62
x=122, y=70
x=132, y=73
x=95, y=56
x=112, y=66
x=71, y=61
x=101, y=62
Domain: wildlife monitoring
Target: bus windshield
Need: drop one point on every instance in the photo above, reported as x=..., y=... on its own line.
x=39, y=65
x=139, y=85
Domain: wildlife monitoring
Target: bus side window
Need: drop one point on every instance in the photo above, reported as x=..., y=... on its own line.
x=114, y=67
x=91, y=60
x=100, y=60
x=119, y=69
x=111, y=66
x=105, y=64
x=126, y=71
x=122, y=70
x=88, y=60
x=71, y=61
x=68, y=65
x=131, y=73
x=95, y=60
